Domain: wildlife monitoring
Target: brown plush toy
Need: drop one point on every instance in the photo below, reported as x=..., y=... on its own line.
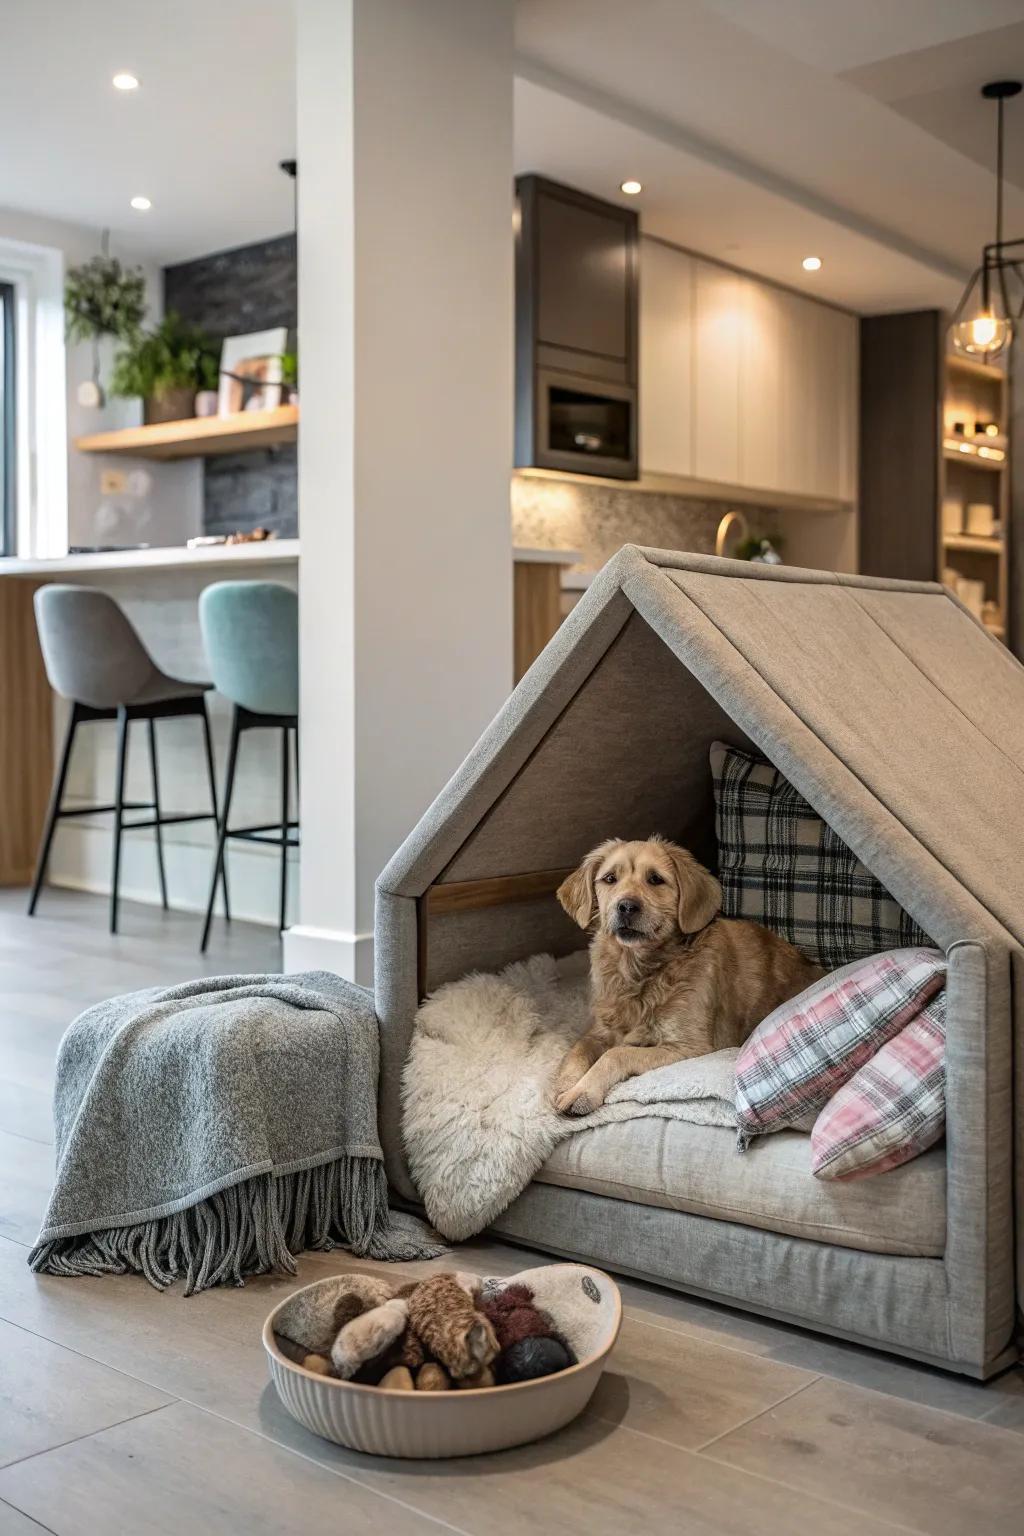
x=450, y=1326
x=434, y=1321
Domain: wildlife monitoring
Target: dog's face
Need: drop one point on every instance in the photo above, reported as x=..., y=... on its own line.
x=641, y=893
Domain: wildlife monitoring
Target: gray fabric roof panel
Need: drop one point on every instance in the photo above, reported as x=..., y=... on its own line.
x=886, y=703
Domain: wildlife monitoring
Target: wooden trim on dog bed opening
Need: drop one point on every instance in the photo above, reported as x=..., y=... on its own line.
x=473, y=896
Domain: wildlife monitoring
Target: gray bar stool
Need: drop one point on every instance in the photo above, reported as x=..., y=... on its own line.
x=95, y=659
x=251, y=634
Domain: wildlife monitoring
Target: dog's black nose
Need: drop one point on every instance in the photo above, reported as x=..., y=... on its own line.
x=626, y=908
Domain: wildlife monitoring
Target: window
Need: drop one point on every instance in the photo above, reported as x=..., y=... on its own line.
x=8, y=423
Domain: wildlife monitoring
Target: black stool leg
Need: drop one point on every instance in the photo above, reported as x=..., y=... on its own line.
x=222, y=829
x=211, y=771
x=156, y=814
x=285, y=764
x=122, y=765
x=53, y=809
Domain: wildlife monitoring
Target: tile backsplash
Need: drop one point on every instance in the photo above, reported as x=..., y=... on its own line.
x=231, y=293
x=597, y=518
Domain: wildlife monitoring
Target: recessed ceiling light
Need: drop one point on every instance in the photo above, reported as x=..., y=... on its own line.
x=141, y=203
x=811, y=263
x=631, y=188
x=123, y=81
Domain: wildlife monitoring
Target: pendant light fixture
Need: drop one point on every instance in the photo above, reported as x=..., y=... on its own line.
x=984, y=321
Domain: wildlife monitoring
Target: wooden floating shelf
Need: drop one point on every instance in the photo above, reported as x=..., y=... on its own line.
x=978, y=370
x=955, y=456
x=976, y=542
x=200, y=436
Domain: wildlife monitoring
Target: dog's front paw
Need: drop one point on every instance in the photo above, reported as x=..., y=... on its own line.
x=575, y=1101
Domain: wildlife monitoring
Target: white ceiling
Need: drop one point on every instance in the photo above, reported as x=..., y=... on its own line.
x=763, y=130
x=731, y=81
x=201, y=138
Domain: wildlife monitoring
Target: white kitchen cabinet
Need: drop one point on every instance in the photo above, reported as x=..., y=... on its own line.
x=718, y=326
x=666, y=359
x=744, y=383
x=761, y=459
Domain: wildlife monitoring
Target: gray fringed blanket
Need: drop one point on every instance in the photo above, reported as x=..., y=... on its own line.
x=212, y=1130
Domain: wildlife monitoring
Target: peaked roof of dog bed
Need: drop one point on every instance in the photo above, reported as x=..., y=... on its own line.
x=885, y=703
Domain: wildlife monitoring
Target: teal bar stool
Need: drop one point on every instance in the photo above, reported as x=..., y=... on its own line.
x=251, y=635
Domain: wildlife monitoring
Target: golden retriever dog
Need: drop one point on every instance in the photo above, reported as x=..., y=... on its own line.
x=669, y=977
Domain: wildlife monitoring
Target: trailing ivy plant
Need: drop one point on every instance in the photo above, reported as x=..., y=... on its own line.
x=174, y=355
x=103, y=298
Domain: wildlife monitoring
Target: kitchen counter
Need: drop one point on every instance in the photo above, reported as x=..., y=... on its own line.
x=268, y=552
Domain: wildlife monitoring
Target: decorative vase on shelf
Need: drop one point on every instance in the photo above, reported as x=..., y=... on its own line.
x=173, y=404
x=206, y=402
x=90, y=395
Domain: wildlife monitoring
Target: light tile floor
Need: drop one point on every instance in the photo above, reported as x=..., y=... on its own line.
x=128, y=1413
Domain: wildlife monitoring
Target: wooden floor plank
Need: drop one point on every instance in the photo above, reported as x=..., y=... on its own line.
x=50, y=1395
x=179, y=1469
x=934, y=1472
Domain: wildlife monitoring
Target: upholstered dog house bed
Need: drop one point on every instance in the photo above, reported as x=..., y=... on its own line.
x=902, y=723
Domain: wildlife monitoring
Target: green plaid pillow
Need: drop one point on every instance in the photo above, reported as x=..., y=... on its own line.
x=779, y=864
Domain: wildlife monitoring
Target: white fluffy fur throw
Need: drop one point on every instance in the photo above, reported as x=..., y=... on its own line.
x=478, y=1118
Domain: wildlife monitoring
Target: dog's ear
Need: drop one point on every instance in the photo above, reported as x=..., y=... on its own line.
x=576, y=893
x=700, y=895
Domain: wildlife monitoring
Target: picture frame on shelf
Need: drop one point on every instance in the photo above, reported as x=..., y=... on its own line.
x=251, y=371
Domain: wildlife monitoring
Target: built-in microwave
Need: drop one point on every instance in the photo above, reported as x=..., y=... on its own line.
x=585, y=425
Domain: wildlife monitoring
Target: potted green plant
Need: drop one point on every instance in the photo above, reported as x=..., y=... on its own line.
x=290, y=377
x=165, y=367
x=103, y=298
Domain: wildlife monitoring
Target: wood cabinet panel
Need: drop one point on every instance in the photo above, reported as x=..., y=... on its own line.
x=666, y=360
x=760, y=456
x=797, y=398
x=718, y=301
x=583, y=297
x=743, y=382
x=26, y=743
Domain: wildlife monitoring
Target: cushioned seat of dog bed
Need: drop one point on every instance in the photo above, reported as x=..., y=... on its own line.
x=696, y=1168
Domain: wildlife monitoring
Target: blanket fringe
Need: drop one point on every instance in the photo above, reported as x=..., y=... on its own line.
x=252, y=1228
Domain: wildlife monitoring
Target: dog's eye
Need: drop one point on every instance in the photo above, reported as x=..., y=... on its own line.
x=654, y=878
x=608, y=879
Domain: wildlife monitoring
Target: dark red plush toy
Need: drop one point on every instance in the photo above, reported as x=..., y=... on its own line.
x=530, y=1343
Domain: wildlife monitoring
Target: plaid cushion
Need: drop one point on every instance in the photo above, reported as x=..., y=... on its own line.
x=781, y=865
x=804, y=1052
x=892, y=1109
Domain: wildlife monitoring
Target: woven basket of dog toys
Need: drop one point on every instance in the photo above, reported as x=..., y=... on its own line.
x=451, y=1365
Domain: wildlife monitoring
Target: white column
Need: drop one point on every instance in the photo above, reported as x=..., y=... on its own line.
x=405, y=343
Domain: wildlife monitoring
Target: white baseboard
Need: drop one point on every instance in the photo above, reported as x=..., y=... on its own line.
x=82, y=853
x=326, y=949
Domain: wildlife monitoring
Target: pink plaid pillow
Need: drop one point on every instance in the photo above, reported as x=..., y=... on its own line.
x=892, y=1109
x=804, y=1052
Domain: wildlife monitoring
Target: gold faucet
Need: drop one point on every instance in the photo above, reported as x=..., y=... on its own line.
x=729, y=521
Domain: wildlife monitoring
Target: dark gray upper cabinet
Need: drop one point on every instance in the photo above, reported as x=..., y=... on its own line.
x=576, y=331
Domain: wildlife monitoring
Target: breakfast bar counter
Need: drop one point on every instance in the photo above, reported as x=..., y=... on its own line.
x=159, y=589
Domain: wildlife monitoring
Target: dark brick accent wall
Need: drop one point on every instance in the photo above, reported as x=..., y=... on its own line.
x=229, y=294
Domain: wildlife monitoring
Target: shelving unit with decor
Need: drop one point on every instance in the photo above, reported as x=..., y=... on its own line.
x=199, y=436
x=974, y=500
x=935, y=464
